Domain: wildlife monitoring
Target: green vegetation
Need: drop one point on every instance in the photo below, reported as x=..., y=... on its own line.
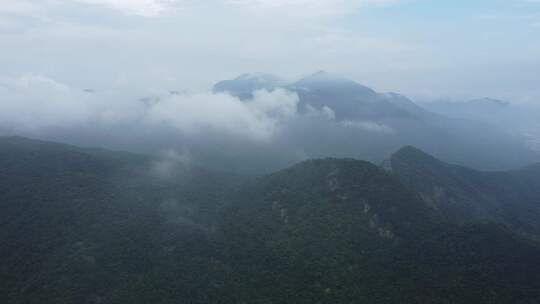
x=463, y=195
x=92, y=226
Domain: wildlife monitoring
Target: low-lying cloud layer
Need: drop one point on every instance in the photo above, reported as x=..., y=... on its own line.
x=271, y=129
x=194, y=114
x=214, y=125
x=34, y=104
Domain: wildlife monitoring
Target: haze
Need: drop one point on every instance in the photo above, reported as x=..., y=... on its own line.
x=420, y=48
x=140, y=75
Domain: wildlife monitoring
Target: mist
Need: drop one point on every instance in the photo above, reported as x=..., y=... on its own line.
x=269, y=151
x=258, y=124
x=154, y=76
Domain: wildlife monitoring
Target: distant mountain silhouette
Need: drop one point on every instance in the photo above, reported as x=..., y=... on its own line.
x=244, y=85
x=376, y=124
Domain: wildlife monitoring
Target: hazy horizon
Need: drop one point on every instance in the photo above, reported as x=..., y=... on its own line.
x=138, y=75
x=423, y=49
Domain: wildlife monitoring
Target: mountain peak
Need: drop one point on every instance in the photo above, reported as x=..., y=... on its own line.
x=409, y=155
x=411, y=151
x=259, y=77
x=244, y=85
x=323, y=76
x=324, y=81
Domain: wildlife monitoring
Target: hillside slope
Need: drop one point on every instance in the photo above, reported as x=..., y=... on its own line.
x=465, y=195
x=342, y=231
x=94, y=226
x=78, y=225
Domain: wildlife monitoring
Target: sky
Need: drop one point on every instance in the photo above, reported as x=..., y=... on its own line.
x=425, y=49
x=136, y=75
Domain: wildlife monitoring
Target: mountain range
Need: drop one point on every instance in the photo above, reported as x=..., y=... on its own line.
x=259, y=123
x=85, y=225
x=518, y=120
x=371, y=125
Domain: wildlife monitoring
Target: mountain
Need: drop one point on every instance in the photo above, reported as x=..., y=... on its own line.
x=244, y=85
x=342, y=230
x=365, y=124
x=471, y=109
x=85, y=225
x=342, y=200
x=80, y=225
x=518, y=120
x=348, y=99
x=465, y=195
x=326, y=82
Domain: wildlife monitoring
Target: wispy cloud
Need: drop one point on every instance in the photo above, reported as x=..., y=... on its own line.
x=307, y=7
x=258, y=119
x=146, y=8
x=369, y=126
x=18, y=7
x=153, y=8
x=34, y=103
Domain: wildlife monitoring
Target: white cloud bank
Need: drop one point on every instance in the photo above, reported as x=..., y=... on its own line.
x=34, y=103
x=258, y=119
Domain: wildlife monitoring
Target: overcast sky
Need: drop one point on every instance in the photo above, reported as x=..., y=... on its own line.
x=421, y=48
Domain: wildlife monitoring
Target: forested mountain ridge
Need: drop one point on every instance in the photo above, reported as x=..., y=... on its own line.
x=94, y=226
x=332, y=230
x=465, y=195
x=77, y=225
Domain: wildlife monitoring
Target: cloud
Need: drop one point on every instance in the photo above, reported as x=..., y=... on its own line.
x=35, y=103
x=18, y=7
x=153, y=8
x=307, y=7
x=40, y=8
x=369, y=126
x=170, y=162
x=146, y=8
x=258, y=119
